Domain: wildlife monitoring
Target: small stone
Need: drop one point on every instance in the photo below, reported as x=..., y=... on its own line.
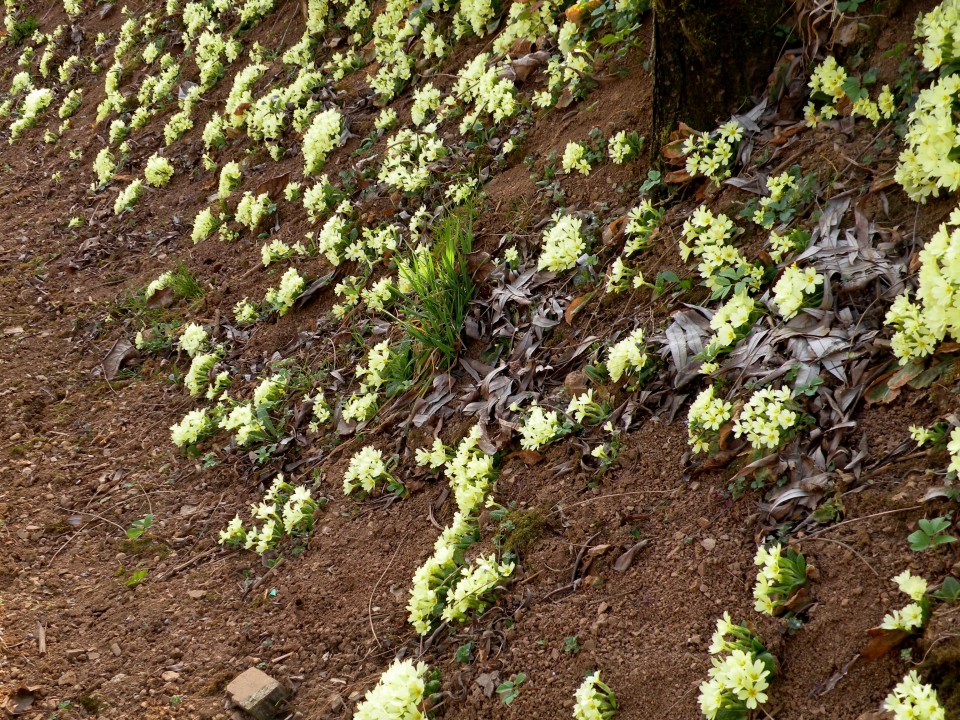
x=68, y=678
x=708, y=544
x=703, y=522
x=575, y=382
x=115, y=649
x=170, y=676
x=76, y=654
x=196, y=594
x=256, y=693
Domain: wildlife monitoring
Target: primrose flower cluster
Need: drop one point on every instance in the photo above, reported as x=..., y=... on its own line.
x=913, y=616
x=642, y=221
x=912, y=699
x=540, y=428
x=365, y=469
x=712, y=154
x=921, y=325
x=781, y=574
x=739, y=677
x=730, y=322
x=285, y=511
x=793, y=288
x=706, y=236
x=469, y=470
x=628, y=357
x=787, y=193
x=830, y=85
x=707, y=414
x=594, y=700
x=398, y=695
x=766, y=418
x=563, y=244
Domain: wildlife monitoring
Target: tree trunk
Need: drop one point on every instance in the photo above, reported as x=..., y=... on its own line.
x=709, y=56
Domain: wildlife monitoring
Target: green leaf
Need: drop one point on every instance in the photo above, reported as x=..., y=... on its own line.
x=139, y=527
x=137, y=578
x=949, y=590
x=918, y=540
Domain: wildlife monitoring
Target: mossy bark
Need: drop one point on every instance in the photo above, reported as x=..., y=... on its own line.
x=709, y=56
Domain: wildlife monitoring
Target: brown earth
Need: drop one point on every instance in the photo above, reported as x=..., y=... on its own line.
x=83, y=457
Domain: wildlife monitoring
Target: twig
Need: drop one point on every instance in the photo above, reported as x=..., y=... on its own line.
x=259, y=581
x=865, y=517
x=583, y=551
x=844, y=545
x=374, y=591
x=191, y=561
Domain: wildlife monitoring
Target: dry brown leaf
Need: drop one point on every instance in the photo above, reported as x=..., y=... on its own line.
x=121, y=351
x=882, y=641
x=623, y=563
x=573, y=308
x=21, y=700
x=677, y=177
x=528, y=457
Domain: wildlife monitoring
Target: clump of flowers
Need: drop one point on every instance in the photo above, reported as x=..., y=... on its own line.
x=642, y=222
x=624, y=146
x=913, y=699
x=620, y=277
x=783, y=245
x=914, y=615
x=781, y=574
x=282, y=297
x=246, y=312
x=195, y=425
x=563, y=243
x=277, y=250
x=398, y=695
x=791, y=290
x=433, y=580
x=594, y=700
x=320, y=412
x=34, y=103
x=128, y=197
x=253, y=208
x=473, y=589
x=285, y=511
x=407, y=160
x=627, y=357
x=470, y=471
x=204, y=225
x=738, y=679
x=230, y=176
x=541, y=428
x=320, y=139
x=788, y=193
x=730, y=322
x=158, y=171
x=830, y=84
x=712, y=154
x=584, y=409
x=576, y=158
x=243, y=422
x=366, y=468
x=922, y=324
x=360, y=407
x=706, y=416
x=706, y=237
x=193, y=339
x=162, y=282
x=767, y=418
